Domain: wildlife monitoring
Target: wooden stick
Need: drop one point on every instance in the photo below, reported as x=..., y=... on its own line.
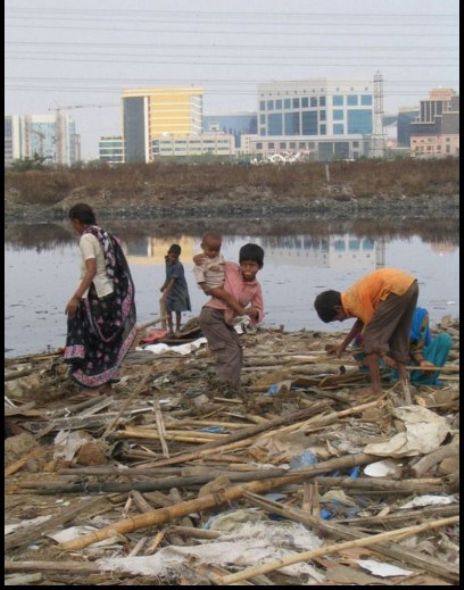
x=163, y=515
x=382, y=484
x=155, y=543
x=335, y=548
x=17, y=465
x=70, y=567
x=136, y=391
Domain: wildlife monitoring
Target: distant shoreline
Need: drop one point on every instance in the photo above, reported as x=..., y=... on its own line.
x=331, y=208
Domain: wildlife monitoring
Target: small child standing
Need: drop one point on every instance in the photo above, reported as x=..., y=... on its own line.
x=216, y=317
x=209, y=271
x=175, y=296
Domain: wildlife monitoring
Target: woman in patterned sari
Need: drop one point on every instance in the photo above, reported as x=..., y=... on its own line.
x=101, y=312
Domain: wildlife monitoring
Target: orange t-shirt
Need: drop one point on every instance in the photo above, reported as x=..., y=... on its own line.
x=363, y=297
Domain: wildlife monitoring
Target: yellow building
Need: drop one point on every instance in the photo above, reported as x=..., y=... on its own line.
x=149, y=113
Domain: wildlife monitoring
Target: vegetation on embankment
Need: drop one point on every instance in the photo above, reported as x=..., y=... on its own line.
x=199, y=186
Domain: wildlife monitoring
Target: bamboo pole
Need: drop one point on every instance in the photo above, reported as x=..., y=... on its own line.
x=68, y=567
x=335, y=548
x=329, y=527
x=163, y=515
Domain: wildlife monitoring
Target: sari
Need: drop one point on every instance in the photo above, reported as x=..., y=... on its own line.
x=102, y=330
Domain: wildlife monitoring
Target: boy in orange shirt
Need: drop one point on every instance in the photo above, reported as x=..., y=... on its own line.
x=383, y=302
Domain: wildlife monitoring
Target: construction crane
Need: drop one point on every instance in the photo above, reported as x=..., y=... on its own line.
x=60, y=124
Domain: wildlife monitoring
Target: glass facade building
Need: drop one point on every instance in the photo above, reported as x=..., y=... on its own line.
x=330, y=110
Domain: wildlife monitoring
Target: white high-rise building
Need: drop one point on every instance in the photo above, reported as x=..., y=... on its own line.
x=324, y=118
x=52, y=137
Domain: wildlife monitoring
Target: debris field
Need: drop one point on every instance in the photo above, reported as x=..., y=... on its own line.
x=301, y=478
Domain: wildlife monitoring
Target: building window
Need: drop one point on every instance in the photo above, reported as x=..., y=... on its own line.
x=359, y=121
x=366, y=99
x=282, y=145
x=292, y=123
x=259, y=146
x=292, y=145
x=287, y=103
x=262, y=131
x=274, y=123
x=309, y=123
x=338, y=129
x=302, y=145
x=313, y=102
x=311, y=144
x=337, y=100
x=322, y=130
x=304, y=102
x=355, y=155
x=448, y=149
x=262, y=105
x=352, y=100
x=270, y=105
x=270, y=145
x=278, y=104
x=262, y=119
x=322, y=115
x=338, y=115
x=296, y=103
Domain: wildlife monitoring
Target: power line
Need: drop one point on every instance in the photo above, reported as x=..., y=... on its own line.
x=144, y=61
x=232, y=81
x=248, y=60
x=242, y=46
x=123, y=12
x=86, y=19
x=216, y=32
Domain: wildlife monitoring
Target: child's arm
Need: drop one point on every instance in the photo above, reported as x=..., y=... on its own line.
x=167, y=287
x=256, y=310
x=221, y=293
x=355, y=330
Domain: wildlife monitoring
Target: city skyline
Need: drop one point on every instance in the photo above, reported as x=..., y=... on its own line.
x=60, y=56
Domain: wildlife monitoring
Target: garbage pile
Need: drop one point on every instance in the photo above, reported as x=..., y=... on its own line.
x=297, y=480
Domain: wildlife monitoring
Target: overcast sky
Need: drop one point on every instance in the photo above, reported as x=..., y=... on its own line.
x=64, y=53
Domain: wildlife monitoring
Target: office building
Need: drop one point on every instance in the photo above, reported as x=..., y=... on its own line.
x=406, y=115
x=111, y=149
x=326, y=118
x=236, y=124
x=52, y=137
x=148, y=113
x=435, y=133
x=216, y=144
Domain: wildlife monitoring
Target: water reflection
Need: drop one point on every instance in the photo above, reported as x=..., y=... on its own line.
x=302, y=258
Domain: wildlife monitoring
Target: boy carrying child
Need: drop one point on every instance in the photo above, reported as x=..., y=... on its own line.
x=238, y=293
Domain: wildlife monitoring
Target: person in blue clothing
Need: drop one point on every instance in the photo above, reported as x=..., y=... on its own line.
x=175, y=295
x=425, y=352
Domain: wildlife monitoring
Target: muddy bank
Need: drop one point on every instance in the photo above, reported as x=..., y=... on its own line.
x=341, y=190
